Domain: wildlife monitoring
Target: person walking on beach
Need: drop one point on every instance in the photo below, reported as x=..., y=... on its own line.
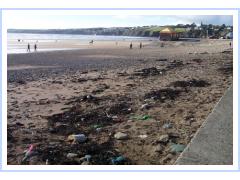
x=131, y=46
x=28, y=47
x=140, y=46
x=230, y=44
x=35, y=47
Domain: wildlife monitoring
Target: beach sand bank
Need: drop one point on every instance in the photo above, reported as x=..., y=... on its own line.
x=157, y=96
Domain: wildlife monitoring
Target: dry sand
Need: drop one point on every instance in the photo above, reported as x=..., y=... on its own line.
x=99, y=91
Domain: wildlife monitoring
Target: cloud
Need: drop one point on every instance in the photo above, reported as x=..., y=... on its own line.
x=207, y=19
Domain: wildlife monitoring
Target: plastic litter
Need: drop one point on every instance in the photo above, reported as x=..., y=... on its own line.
x=87, y=157
x=78, y=138
x=175, y=148
x=118, y=160
x=29, y=153
x=141, y=117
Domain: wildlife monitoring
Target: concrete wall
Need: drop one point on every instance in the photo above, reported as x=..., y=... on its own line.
x=213, y=142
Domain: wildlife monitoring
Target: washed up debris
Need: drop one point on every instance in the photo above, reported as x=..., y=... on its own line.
x=145, y=106
x=190, y=83
x=173, y=135
x=87, y=157
x=174, y=64
x=166, y=158
x=77, y=138
x=120, y=136
x=95, y=126
x=86, y=98
x=197, y=60
x=161, y=60
x=99, y=130
x=163, y=138
x=141, y=117
x=19, y=124
x=118, y=160
x=176, y=148
x=158, y=148
x=43, y=101
x=167, y=126
x=119, y=108
x=79, y=80
x=85, y=163
x=21, y=81
x=9, y=135
x=143, y=136
x=57, y=82
x=227, y=52
x=100, y=88
x=153, y=71
x=71, y=155
x=163, y=94
x=29, y=153
x=226, y=69
x=122, y=73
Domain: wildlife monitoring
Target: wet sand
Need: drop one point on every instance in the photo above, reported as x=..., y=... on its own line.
x=157, y=96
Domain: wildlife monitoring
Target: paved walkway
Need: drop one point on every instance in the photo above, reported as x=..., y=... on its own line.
x=213, y=143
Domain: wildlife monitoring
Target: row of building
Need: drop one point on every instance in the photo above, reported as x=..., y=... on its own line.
x=170, y=34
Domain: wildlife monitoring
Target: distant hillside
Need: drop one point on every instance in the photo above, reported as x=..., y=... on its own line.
x=188, y=30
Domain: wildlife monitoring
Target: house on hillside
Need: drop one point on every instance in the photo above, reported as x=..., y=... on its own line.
x=169, y=34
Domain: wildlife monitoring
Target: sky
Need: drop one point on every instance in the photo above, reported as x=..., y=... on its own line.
x=25, y=20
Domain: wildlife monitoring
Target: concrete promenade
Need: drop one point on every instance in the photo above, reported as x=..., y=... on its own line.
x=213, y=143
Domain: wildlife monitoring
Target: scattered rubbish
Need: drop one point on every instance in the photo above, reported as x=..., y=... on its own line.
x=163, y=138
x=145, y=106
x=19, y=124
x=158, y=148
x=79, y=80
x=29, y=153
x=120, y=136
x=173, y=135
x=226, y=68
x=85, y=163
x=161, y=60
x=87, y=157
x=143, y=136
x=163, y=94
x=167, y=126
x=71, y=155
x=197, y=60
x=21, y=81
x=227, y=51
x=118, y=160
x=175, y=148
x=57, y=82
x=149, y=72
x=190, y=83
x=141, y=117
x=96, y=126
x=99, y=130
x=78, y=138
x=100, y=88
x=119, y=108
x=174, y=64
x=166, y=158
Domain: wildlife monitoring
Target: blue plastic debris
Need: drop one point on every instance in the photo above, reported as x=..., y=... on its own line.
x=118, y=160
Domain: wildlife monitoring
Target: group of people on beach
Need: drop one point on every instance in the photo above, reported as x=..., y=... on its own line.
x=29, y=48
x=131, y=45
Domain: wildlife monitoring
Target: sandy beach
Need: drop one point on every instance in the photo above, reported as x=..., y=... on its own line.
x=143, y=105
